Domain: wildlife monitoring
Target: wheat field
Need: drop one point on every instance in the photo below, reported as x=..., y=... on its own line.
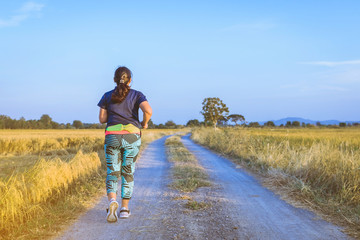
x=38, y=166
x=322, y=165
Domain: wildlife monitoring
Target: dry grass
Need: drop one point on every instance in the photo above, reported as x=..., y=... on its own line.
x=320, y=165
x=22, y=194
x=48, y=176
x=188, y=174
x=195, y=205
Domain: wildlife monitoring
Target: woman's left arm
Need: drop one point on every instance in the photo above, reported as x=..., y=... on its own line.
x=103, y=115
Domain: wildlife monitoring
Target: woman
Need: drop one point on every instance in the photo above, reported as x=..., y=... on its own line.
x=119, y=109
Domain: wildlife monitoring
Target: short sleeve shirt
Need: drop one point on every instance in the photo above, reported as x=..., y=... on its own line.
x=125, y=112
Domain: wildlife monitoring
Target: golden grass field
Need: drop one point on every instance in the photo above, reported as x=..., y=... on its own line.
x=43, y=172
x=322, y=165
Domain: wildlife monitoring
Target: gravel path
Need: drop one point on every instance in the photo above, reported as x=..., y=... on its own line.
x=257, y=212
x=239, y=207
x=147, y=204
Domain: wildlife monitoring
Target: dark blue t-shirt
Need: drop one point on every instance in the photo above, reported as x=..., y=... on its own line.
x=125, y=112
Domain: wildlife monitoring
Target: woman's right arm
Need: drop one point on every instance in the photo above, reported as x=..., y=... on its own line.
x=145, y=107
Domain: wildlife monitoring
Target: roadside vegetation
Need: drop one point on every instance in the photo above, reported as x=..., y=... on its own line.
x=318, y=166
x=48, y=177
x=188, y=174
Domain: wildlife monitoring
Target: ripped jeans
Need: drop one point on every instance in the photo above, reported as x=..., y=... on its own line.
x=121, y=151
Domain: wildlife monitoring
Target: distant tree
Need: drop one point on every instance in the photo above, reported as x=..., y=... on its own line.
x=236, y=118
x=281, y=125
x=22, y=123
x=342, y=124
x=45, y=120
x=170, y=124
x=93, y=126
x=4, y=121
x=161, y=126
x=303, y=124
x=318, y=124
x=269, y=124
x=222, y=121
x=288, y=124
x=356, y=124
x=193, y=123
x=254, y=124
x=214, y=109
x=151, y=125
x=295, y=124
x=77, y=124
x=55, y=125
x=309, y=125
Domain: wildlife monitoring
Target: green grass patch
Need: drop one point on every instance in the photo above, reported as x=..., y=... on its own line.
x=194, y=205
x=188, y=175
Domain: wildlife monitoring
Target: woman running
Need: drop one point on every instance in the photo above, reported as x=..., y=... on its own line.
x=119, y=109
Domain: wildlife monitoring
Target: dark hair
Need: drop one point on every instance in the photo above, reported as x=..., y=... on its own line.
x=124, y=75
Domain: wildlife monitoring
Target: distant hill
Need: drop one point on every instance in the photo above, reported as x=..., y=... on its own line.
x=306, y=121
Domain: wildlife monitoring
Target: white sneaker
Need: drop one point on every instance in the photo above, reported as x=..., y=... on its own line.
x=111, y=211
x=124, y=213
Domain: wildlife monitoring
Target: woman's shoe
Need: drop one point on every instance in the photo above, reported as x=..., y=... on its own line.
x=124, y=213
x=111, y=211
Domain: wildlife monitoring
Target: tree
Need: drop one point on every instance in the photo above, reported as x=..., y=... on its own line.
x=77, y=124
x=269, y=124
x=288, y=124
x=170, y=124
x=161, y=126
x=342, y=124
x=214, y=109
x=151, y=125
x=295, y=124
x=193, y=123
x=46, y=120
x=237, y=118
x=222, y=121
x=254, y=124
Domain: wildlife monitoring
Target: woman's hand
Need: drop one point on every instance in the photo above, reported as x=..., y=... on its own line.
x=144, y=125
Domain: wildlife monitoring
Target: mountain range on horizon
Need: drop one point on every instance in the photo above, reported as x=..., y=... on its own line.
x=306, y=121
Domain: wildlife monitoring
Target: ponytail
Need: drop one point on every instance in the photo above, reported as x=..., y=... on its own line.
x=122, y=76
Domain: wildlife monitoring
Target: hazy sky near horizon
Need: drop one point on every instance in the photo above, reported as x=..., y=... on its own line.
x=265, y=59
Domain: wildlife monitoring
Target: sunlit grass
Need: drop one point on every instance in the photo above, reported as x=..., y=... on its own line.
x=322, y=164
x=48, y=175
x=187, y=173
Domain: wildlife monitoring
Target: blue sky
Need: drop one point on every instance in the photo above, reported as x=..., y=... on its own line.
x=265, y=59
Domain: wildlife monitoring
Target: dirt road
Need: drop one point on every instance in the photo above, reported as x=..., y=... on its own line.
x=240, y=207
x=257, y=212
x=146, y=204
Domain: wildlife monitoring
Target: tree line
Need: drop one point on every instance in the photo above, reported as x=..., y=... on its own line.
x=214, y=111
x=46, y=122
